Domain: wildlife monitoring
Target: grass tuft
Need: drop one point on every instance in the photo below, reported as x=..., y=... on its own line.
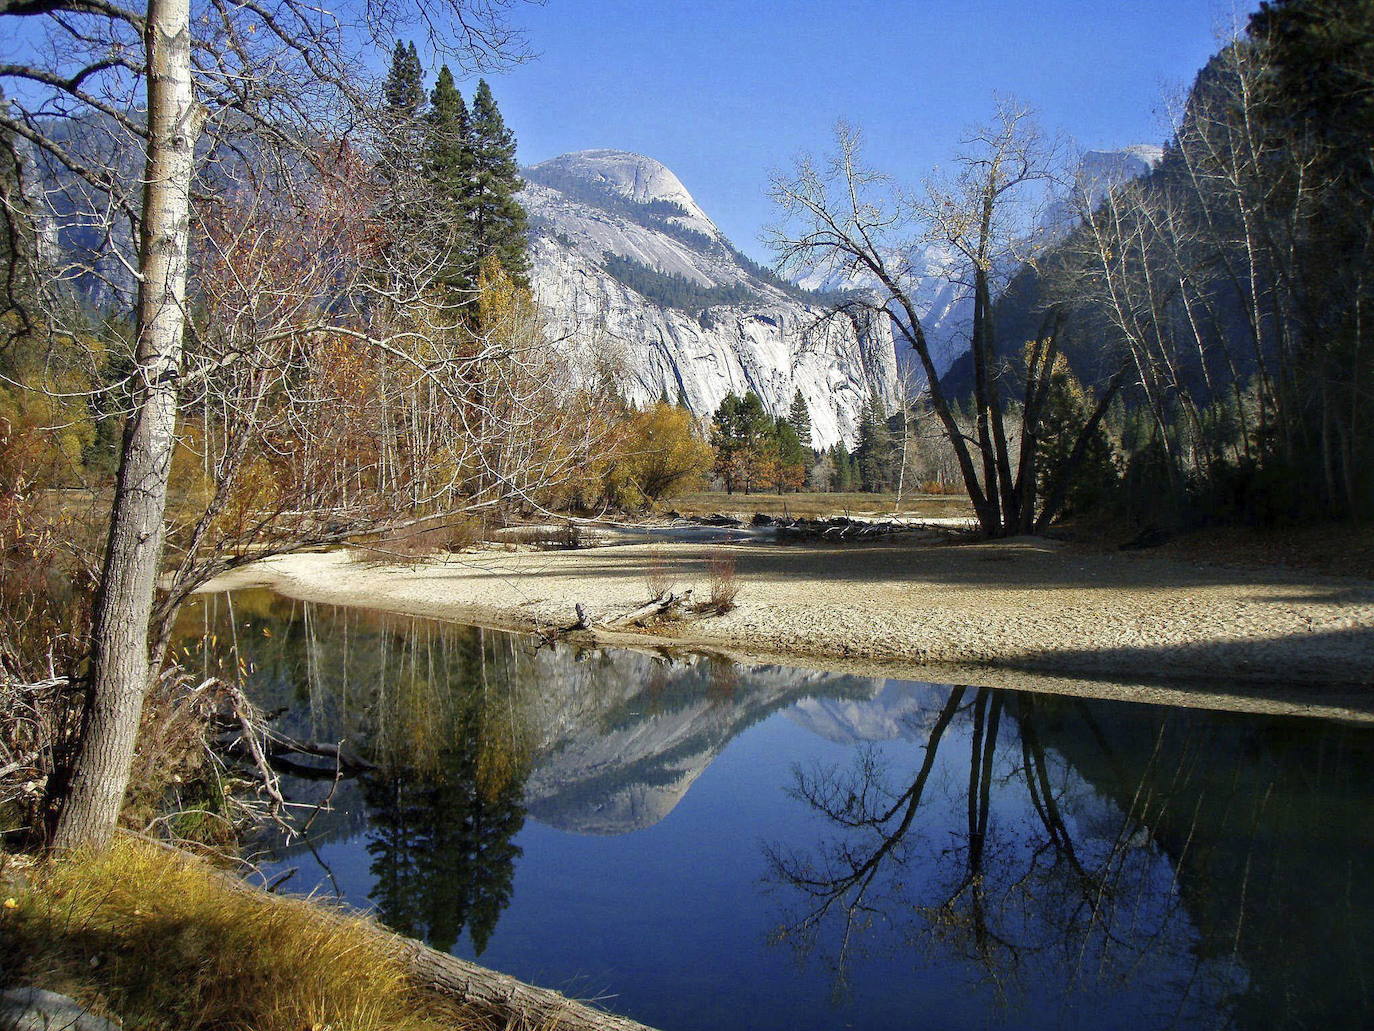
x=164, y=941
x=723, y=582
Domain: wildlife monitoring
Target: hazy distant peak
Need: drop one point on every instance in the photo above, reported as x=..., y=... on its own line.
x=1107, y=167
x=1146, y=152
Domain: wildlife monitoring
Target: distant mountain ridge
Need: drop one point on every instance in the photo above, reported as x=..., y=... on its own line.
x=945, y=307
x=623, y=256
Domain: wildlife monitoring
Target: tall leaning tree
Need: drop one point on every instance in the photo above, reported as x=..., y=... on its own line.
x=176, y=81
x=847, y=221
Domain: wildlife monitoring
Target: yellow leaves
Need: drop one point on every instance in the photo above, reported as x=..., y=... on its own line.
x=507, y=313
x=658, y=455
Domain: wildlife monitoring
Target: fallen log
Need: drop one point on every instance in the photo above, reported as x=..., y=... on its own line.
x=349, y=762
x=502, y=994
x=518, y=1005
x=277, y=746
x=658, y=607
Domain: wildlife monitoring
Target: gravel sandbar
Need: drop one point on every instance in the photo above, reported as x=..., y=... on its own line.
x=1025, y=612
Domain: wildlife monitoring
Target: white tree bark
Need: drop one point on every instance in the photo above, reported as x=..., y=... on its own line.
x=119, y=673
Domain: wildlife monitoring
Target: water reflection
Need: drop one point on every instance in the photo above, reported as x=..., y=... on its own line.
x=445, y=801
x=1020, y=869
x=470, y=730
x=1221, y=862
x=981, y=858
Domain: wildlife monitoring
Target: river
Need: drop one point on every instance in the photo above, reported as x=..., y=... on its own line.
x=701, y=844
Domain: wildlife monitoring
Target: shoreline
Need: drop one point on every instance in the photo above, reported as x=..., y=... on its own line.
x=1025, y=613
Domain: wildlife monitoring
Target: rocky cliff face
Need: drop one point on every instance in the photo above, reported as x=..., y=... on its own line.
x=625, y=260
x=619, y=737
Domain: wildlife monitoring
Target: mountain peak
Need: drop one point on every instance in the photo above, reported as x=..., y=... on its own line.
x=633, y=176
x=624, y=258
x=624, y=174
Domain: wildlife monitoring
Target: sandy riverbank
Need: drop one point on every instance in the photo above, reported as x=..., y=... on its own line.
x=1025, y=612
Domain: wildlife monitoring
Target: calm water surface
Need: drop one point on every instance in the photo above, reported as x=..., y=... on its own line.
x=704, y=845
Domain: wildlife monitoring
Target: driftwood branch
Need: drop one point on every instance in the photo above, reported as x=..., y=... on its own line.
x=842, y=528
x=657, y=608
x=350, y=762
x=279, y=748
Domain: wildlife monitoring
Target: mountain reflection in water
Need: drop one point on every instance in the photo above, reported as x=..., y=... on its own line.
x=755, y=846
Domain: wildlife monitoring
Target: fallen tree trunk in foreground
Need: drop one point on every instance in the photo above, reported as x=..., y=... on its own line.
x=520, y=1006
x=658, y=607
x=477, y=986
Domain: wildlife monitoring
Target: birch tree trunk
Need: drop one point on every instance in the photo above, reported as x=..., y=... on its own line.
x=119, y=673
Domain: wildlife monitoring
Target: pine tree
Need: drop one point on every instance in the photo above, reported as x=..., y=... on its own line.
x=450, y=174
x=743, y=438
x=844, y=469
x=404, y=99
x=799, y=418
x=874, y=453
x=403, y=140
x=499, y=223
x=792, y=456
x=404, y=93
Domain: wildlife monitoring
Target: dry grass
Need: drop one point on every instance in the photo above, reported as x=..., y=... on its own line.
x=164, y=941
x=565, y=536
x=411, y=545
x=660, y=577
x=723, y=582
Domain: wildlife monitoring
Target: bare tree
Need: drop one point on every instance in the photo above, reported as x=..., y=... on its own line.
x=849, y=220
x=1002, y=881
x=267, y=82
x=1244, y=334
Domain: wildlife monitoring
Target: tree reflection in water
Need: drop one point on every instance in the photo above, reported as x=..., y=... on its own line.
x=1183, y=867
x=997, y=851
x=445, y=802
x=439, y=709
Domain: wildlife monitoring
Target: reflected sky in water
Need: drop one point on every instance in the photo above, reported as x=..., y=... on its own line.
x=704, y=845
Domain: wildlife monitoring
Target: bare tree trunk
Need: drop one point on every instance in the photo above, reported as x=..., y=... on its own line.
x=1039, y=372
x=119, y=654
x=982, y=401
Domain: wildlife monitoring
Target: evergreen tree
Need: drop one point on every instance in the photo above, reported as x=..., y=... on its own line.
x=499, y=224
x=404, y=91
x=1092, y=482
x=404, y=98
x=399, y=157
x=743, y=438
x=450, y=174
x=844, y=469
x=799, y=418
x=792, y=457
x=874, y=453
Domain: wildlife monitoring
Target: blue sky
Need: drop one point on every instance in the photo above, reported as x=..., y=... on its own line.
x=723, y=91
